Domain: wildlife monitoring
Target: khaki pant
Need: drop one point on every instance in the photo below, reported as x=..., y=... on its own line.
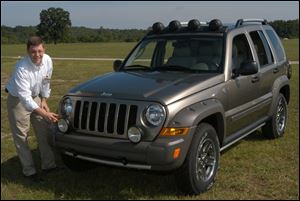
x=19, y=120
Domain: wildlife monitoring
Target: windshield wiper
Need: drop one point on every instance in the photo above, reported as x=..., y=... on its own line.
x=173, y=68
x=136, y=67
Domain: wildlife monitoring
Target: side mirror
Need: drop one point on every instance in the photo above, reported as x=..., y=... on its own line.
x=117, y=64
x=248, y=68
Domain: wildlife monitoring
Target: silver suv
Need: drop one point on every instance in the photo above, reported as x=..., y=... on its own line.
x=185, y=93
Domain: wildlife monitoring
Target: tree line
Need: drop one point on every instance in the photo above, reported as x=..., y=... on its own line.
x=286, y=29
x=20, y=34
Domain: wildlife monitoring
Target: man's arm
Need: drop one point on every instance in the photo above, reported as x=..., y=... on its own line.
x=24, y=95
x=44, y=104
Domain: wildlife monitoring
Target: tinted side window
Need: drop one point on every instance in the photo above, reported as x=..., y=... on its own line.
x=276, y=44
x=262, y=48
x=241, y=51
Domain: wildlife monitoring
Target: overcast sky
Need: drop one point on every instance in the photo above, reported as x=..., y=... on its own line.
x=142, y=14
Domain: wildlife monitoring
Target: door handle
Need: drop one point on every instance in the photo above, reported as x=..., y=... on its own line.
x=275, y=70
x=255, y=79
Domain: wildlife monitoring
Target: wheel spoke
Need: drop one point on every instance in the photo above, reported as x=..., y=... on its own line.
x=206, y=160
x=206, y=147
x=281, y=115
x=210, y=161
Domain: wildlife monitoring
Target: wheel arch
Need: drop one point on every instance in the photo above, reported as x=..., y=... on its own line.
x=216, y=120
x=285, y=90
x=210, y=111
x=281, y=85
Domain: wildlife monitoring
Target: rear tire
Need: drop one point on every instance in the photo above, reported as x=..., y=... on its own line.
x=275, y=127
x=199, y=170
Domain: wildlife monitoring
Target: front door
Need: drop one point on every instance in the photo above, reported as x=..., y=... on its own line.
x=242, y=90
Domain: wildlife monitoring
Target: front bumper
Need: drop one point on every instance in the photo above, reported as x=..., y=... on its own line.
x=151, y=155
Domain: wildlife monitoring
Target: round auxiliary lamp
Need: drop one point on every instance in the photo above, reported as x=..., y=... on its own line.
x=194, y=25
x=174, y=25
x=215, y=25
x=157, y=27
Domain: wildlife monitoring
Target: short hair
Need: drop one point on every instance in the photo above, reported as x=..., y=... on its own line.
x=34, y=41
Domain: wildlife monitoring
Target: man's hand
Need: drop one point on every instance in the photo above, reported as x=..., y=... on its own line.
x=44, y=105
x=48, y=116
x=52, y=117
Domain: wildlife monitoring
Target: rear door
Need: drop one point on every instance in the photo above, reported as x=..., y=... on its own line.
x=268, y=68
x=281, y=61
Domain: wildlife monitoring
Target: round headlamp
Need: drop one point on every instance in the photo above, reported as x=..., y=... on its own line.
x=155, y=115
x=63, y=125
x=134, y=134
x=67, y=106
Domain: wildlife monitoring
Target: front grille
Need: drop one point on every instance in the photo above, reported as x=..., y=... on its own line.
x=109, y=119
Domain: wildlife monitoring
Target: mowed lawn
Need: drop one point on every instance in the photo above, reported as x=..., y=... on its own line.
x=254, y=168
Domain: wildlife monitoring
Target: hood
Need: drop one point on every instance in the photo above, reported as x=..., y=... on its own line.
x=164, y=87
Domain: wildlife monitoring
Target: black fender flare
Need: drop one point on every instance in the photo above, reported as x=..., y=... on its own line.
x=192, y=115
x=279, y=83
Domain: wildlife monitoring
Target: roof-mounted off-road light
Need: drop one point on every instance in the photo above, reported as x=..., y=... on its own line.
x=174, y=25
x=157, y=27
x=194, y=25
x=215, y=25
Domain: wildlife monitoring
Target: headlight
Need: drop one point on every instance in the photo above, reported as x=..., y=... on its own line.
x=67, y=107
x=155, y=115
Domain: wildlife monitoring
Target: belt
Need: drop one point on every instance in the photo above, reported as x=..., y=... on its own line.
x=6, y=90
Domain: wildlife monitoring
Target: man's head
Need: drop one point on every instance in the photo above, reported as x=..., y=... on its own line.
x=35, y=49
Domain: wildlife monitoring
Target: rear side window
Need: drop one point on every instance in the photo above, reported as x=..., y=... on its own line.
x=262, y=48
x=276, y=44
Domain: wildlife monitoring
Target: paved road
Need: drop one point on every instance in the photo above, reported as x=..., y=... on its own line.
x=93, y=59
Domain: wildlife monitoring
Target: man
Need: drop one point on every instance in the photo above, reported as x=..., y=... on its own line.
x=28, y=90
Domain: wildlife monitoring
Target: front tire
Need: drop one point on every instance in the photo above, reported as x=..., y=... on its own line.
x=199, y=170
x=275, y=127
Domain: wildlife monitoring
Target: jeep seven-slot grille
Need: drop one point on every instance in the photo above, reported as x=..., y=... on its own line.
x=104, y=118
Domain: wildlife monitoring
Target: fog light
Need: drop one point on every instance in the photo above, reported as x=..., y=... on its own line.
x=63, y=125
x=134, y=134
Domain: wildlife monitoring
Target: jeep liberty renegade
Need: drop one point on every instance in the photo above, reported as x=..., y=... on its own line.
x=184, y=93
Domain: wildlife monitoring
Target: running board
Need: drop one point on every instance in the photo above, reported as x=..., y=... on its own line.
x=241, y=137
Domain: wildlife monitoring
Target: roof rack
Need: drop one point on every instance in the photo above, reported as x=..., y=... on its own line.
x=240, y=22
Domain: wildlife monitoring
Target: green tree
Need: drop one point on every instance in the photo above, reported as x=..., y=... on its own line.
x=55, y=24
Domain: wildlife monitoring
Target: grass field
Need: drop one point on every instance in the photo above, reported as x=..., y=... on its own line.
x=115, y=50
x=254, y=168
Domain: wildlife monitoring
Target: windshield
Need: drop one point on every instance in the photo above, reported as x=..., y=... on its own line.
x=188, y=53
